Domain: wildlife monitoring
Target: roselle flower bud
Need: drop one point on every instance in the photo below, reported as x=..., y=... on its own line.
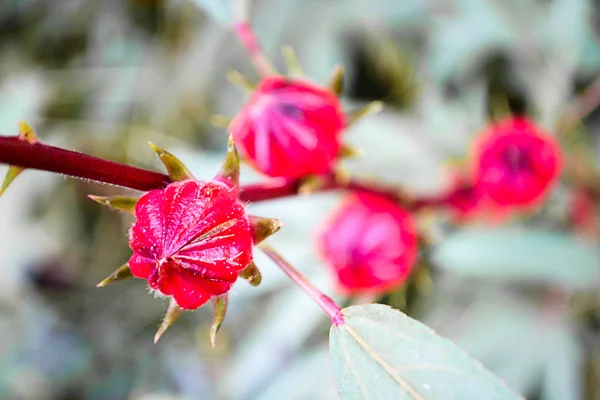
x=192, y=239
x=370, y=244
x=516, y=163
x=290, y=128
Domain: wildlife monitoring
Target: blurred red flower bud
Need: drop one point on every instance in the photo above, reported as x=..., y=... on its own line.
x=516, y=163
x=290, y=128
x=190, y=240
x=370, y=243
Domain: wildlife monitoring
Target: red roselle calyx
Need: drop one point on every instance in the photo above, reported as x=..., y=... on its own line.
x=290, y=128
x=370, y=244
x=192, y=239
x=516, y=163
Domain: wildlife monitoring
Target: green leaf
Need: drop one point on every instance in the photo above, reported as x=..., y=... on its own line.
x=509, y=253
x=380, y=353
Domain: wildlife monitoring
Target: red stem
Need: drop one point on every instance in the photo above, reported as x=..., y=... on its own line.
x=49, y=158
x=323, y=301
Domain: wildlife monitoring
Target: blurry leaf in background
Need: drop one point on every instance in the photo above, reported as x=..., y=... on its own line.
x=309, y=377
x=533, y=255
x=563, y=374
x=219, y=10
x=380, y=353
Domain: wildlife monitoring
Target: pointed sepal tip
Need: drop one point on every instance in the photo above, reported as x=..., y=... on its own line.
x=175, y=168
x=264, y=227
x=219, y=309
x=336, y=82
x=120, y=203
x=252, y=274
x=121, y=273
x=172, y=315
x=230, y=171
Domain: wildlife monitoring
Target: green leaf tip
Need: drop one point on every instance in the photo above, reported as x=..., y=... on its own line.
x=172, y=315
x=122, y=273
x=175, y=168
x=120, y=203
x=219, y=309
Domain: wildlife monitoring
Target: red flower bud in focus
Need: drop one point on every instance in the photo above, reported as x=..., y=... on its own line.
x=370, y=243
x=290, y=128
x=190, y=241
x=516, y=163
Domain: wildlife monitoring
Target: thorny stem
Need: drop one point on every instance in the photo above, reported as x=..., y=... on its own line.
x=323, y=301
x=48, y=158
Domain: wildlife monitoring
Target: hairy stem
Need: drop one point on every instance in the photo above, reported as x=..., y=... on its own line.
x=49, y=158
x=323, y=301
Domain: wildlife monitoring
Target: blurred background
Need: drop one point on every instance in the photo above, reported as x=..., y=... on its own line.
x=105, y=77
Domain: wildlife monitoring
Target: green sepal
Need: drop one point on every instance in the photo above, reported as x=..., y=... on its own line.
x=336, y=81
x=219, y=310
x=172, y=315
x=372, y=108
x=252, y=274
x=175, y=168
x=263, y=227
x=122, y=273
x=294, y=69
x=119, y=203
x=230, y=171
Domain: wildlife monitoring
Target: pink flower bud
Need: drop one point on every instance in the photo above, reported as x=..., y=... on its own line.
x=290, y=128
x=370, y=243
x=190, y=240
x=516, y=163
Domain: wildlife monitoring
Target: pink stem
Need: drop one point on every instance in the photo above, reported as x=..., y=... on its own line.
x=329, y=306
x=245, y=34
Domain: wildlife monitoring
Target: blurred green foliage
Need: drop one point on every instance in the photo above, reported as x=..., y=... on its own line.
x=105, y=77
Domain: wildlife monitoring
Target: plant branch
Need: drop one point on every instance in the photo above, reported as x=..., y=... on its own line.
x=246, y=35
x=49, y=158
x=323, y=301
x=53, y=159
